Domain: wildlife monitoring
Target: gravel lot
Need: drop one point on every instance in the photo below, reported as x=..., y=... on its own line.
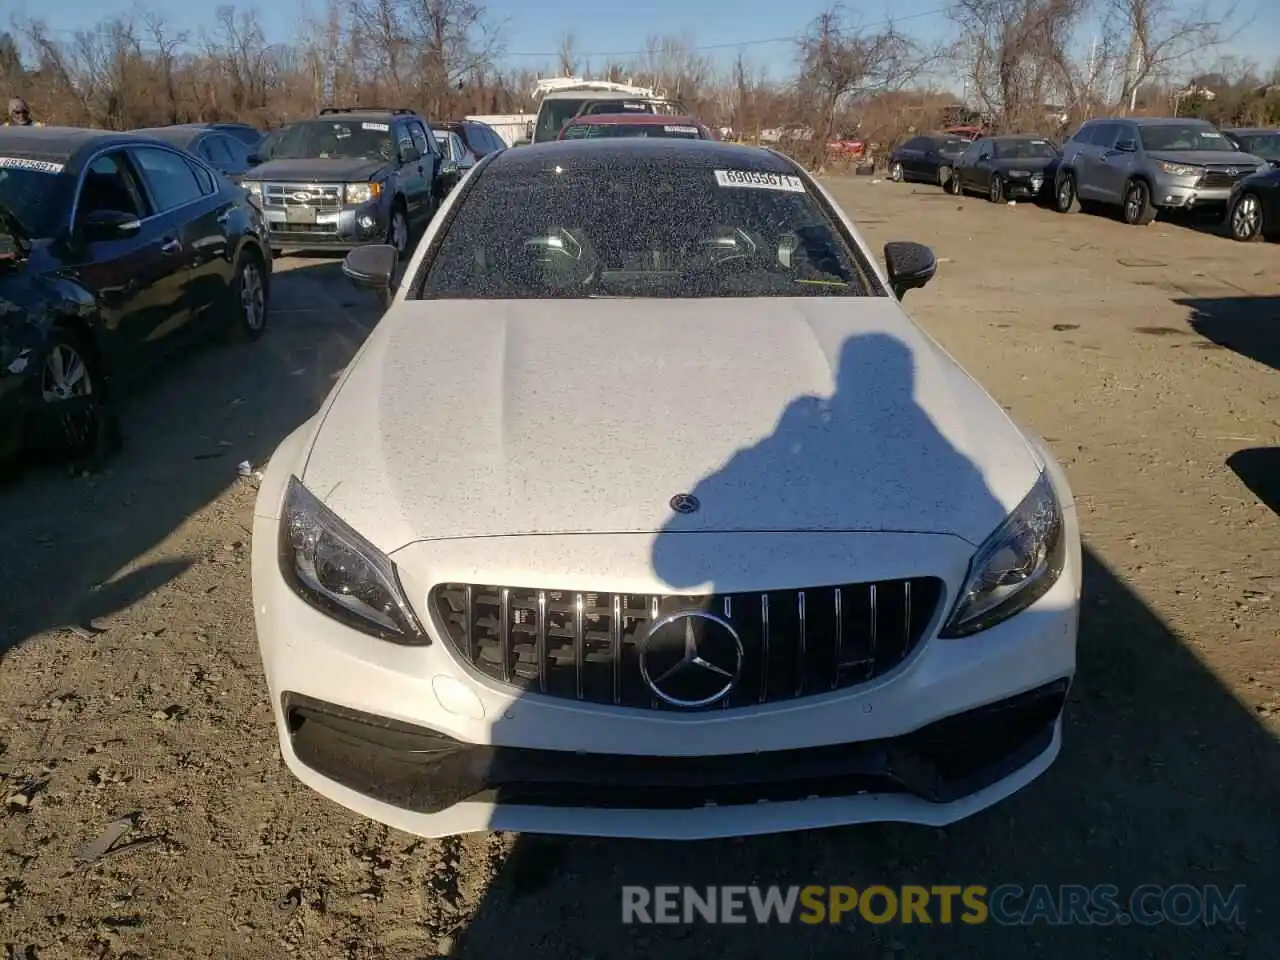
x=131, y=685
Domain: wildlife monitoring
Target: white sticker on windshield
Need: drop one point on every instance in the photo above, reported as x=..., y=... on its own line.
x=22, y=163
x=756, y=180
x=677, y=128
x=384, y=127
x=1211, y=134
x=1041, y=143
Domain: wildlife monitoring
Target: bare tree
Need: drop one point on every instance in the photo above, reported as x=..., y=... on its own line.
x=166, y=44
x=841, y=64
x=568, y=55
x=1164, y=37
x=1017, y=55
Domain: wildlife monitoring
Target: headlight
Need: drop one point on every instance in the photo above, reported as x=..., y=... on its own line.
x=1015, y=567
x=363, y=192
x=1177, y=169
x=254, y=188
x=340, y=573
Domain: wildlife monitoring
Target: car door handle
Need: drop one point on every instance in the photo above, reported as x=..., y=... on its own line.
x=171, y=245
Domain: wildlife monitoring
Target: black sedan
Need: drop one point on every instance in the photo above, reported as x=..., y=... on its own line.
x=1259, y=142
x=1005, y=168
x=115, y=250
x=927, y=158
x=222, y=151
x=1253, y=212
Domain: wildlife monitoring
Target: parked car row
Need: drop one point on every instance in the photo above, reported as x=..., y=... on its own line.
x=1135, y=166
x=116, y=248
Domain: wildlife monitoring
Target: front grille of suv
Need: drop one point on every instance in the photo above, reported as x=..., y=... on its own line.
x=1218, y=178
x=586, y=646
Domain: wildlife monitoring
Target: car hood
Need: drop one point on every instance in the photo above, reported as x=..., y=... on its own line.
x=318, y=171
x=1203, y=158
x=498, y=418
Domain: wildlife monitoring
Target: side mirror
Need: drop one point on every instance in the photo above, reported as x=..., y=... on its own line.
x=100, y=226
x=253, y=159
x=910, y=265
x=373, y=268
x=409, y=153
x=1127, y=146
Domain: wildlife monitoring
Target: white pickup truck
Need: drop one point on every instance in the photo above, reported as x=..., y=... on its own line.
x=564, y=98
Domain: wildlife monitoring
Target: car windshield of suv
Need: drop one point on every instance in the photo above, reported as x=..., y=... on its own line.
x=1264, y=145
x=1031, y=149
x=591, y=131
x=334, y=140
x=35, y=195
x=653, y=228
x=1184, y=136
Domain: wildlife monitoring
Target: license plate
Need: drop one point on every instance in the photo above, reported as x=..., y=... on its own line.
x=302, y=214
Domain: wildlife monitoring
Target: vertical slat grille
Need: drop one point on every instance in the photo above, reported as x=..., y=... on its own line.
x=587, y=646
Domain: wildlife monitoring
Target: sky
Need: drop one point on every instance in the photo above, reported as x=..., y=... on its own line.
x=760, y=29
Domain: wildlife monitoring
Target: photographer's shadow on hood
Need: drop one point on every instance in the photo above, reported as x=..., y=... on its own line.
x=868, y=458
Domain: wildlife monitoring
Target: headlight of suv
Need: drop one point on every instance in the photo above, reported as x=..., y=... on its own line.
x=1177, y=169
x=1016, y=565
x=342, y=574
x=362, y=192
x=254, y=188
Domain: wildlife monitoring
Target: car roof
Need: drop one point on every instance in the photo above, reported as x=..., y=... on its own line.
x=609, y=154
x=639, y=119
x=588, y=94
x=357, y=114
x=65, y=144
x=1010, y=137
x=1244, y=131
x=177, y=132
x=1162, y=121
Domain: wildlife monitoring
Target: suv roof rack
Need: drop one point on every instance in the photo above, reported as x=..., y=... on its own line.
x=396, y=111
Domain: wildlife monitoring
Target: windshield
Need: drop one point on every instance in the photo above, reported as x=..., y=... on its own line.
x=1024, y=150
x=553, y=115
x=953, y=148
x=653, y=229
x=332, y=140
x=1184, y=136
x=1264, y=145
x=585, y=131
x=36, y=196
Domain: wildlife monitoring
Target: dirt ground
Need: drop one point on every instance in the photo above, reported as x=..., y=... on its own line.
x=131, y=684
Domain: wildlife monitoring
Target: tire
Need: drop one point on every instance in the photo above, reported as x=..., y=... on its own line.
x=76, y=418
x=1245, y=219
x=944, y=175
x=895, y=172
x=398, y=230
x=1064, y=194
x=995, y=193
x=250, y=298
x=1138, y=210
x=954, y=186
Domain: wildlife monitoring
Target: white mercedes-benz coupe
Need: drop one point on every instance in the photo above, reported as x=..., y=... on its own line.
x=646, y=510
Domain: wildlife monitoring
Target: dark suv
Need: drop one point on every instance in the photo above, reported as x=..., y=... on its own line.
x=348, y=178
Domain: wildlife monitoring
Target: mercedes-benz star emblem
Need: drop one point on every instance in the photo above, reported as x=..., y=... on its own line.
x=691, y=658
x=685, y=503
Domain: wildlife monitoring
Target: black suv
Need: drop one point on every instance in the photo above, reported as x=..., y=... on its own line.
x=350, y=177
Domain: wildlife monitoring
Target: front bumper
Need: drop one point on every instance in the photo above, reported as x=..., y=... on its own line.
x=1184, y=193
x=409, y=737
x=1026, y=188
x=346, y=228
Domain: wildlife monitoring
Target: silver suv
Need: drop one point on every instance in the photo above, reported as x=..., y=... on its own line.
x=1146, y=164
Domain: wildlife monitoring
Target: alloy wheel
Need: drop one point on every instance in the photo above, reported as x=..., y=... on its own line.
x=253, y=297
x=1246, y=218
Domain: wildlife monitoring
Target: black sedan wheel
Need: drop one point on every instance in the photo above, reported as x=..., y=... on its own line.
x=954, y=186
x=1246, y=219
x=1064, y=194
x=944, y=176
x=996, y=192
x=250, y=291
x=75, y=420
x=895, y=172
